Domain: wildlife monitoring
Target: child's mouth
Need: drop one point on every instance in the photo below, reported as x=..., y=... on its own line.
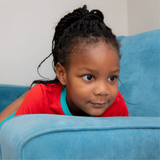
x=99, y=104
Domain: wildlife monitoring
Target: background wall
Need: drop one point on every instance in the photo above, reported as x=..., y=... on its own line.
x=27, y=28
x=143, y=15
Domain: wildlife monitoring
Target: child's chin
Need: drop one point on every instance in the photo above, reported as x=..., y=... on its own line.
x=96, y=114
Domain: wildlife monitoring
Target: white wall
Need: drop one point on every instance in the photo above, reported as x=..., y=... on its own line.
x=27, y=28
x=143, y=15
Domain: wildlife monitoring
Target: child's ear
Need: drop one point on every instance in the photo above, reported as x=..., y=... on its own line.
x=61, y=73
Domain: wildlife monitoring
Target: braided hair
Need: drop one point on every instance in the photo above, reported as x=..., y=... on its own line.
x=80, y=26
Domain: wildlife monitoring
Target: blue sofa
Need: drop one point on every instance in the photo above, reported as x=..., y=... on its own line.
x=136, y=137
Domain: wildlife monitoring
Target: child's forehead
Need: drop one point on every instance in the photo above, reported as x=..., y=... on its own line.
x=84, y=49
x=96, y=53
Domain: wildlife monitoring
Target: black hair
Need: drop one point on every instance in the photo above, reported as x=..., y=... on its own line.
x=80, y=26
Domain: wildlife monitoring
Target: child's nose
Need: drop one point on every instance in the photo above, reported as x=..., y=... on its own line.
x=101, y=89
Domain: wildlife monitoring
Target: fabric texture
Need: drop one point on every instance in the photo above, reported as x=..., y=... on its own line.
x=51, y=99
x=140, y=73
x=40, y=137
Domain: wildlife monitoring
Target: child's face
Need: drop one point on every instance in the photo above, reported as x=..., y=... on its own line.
x=92, y=79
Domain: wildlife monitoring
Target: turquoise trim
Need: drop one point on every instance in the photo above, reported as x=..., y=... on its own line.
x=64, y=103
x=11, y=116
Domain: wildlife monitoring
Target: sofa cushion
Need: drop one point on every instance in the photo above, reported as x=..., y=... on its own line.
x=140, y=73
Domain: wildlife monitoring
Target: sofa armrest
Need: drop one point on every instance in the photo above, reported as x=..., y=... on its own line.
x=67, y=137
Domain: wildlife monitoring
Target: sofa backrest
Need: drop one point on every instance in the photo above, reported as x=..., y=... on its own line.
x=140, y=73
x=9, y=93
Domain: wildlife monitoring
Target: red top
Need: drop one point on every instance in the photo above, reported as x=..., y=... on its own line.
x=45, y=99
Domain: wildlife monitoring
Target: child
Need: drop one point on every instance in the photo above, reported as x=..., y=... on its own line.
x=86, y=60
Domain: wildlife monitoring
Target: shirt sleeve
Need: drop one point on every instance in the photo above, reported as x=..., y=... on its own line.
x=33, y=102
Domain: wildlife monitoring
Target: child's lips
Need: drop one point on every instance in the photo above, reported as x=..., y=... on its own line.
x=99, y=104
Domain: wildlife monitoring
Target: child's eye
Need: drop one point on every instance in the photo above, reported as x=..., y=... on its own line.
x=112, y=78
x=88, y=77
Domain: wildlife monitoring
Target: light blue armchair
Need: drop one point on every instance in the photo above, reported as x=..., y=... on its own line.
x=123, y=138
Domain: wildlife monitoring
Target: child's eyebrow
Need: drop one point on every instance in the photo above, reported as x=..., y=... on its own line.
x=117, y=70
x=91, y=70
x=88, y=69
